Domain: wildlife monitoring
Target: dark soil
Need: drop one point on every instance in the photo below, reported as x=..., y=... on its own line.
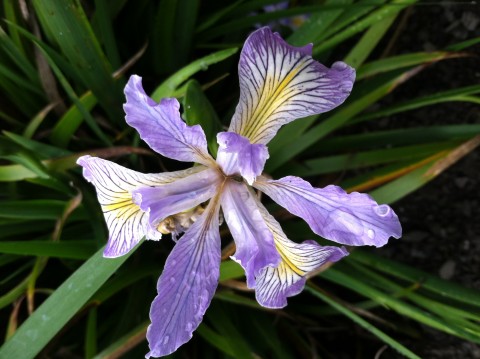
x=441, y=221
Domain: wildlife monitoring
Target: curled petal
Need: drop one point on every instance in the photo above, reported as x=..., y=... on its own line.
x=126, y=222
x=186, y=286
x=353, y=219
x=280, y=83
x=236, y=155
x=179, y=196
x=254, y=242
x=162, y=128
x=274, y=285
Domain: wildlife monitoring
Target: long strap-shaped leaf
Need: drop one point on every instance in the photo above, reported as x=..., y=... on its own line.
x=68, y=26
x=360, y=321
x=60, y=307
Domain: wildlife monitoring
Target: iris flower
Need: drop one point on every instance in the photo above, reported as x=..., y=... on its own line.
x=278, y=84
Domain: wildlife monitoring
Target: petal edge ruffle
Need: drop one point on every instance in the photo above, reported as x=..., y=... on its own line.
x=275, y=284
x=162, y=128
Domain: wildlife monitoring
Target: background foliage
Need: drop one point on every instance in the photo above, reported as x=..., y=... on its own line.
x=63, y=66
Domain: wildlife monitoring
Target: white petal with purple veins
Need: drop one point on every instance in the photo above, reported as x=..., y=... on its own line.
x=274, y=285
x=280, y=83
x=162, y=128
x=353, y=219
x=126, y=222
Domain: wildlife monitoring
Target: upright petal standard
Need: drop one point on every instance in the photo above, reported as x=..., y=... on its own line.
x=278, y=84
x=161, y=126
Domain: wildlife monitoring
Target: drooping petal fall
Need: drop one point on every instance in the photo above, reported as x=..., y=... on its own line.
x=162, y=128
x=126, y=222
x=274, y=285
x=179, y=196
x=254, y=241
x=186, y=286
x=236, y=155
x=280, y=83
x=353, y=219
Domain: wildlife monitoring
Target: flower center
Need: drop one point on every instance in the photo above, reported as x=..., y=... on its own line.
x=180, y=222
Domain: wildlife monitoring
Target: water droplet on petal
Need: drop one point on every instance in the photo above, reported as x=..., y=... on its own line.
x=173, y=262
x=371, y=234
x=339, y=66
x=189, y=327
x=165, y=340
x=193, y=273
x=172, y=280
x=164, y=310
x=382, y=210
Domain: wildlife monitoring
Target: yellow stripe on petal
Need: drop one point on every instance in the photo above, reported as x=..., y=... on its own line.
x=289, y=262
x=127, y=224
x=274, y=285
x=117, y=205
x=280, y=83
x=270, y=101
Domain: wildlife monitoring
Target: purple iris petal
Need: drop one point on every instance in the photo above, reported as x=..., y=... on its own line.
x=178, y=196
x=280, y=83
x=354, y=219
x=186, y=286
x=236, y=155
x=254, y=241
x=161, y=126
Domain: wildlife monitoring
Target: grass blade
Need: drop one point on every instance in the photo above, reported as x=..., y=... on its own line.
x=369, y=40
x=60, y=307
x=354, y=160
x=68, y=26
x=402, y=61
x=428, y=281
x=317, y=292
x=64, y=249
x=383, y=12
x=168, y=87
